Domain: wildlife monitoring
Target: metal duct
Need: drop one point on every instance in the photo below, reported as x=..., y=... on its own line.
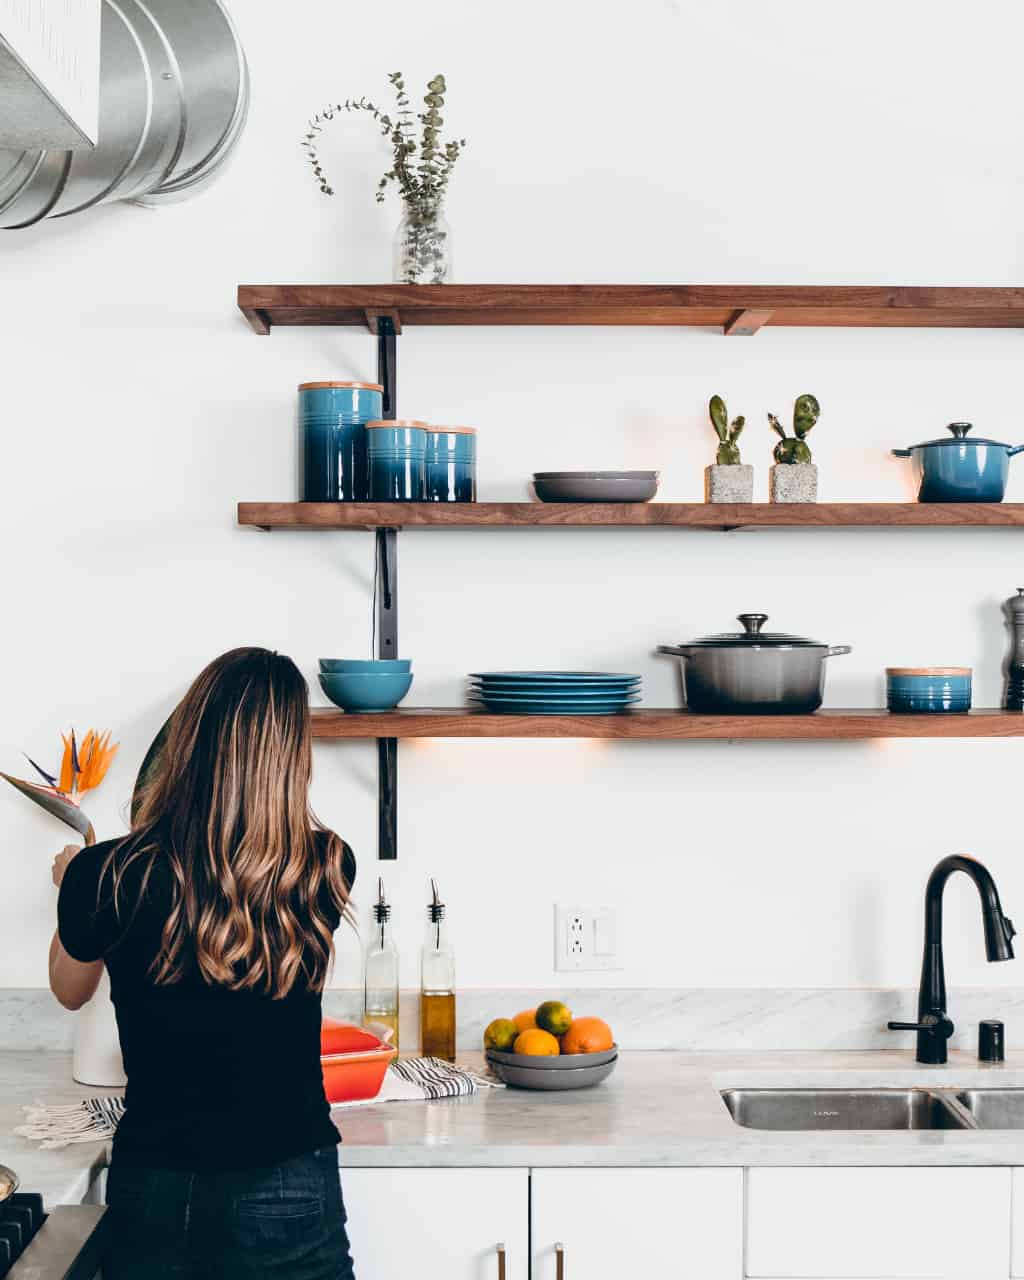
x=174, y=94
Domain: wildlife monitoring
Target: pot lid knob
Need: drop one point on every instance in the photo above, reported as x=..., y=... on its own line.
x=752, y=622
x=960, y=429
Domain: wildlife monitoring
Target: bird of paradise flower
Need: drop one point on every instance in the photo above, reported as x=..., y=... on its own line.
x=82, y=769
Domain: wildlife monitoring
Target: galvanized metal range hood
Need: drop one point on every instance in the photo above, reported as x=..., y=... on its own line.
x=161, y=87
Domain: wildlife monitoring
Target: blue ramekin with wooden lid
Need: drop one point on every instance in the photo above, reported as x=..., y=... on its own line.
x=396, y=454
x=924, y=689
x=450, y=474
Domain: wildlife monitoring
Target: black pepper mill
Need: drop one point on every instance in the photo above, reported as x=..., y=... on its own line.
x=1014, y=700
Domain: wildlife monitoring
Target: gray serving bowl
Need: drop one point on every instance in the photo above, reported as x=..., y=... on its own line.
x=562, y=1062
x=549, y=1076
x=595, y=486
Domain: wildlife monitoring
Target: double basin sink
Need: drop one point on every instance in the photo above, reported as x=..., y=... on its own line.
x=893, y=1109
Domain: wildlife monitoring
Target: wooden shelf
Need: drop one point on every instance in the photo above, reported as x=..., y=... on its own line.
x=738, y=310
x=665, y=724
x=677, y=515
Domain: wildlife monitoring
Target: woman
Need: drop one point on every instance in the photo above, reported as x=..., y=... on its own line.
x=215, y=918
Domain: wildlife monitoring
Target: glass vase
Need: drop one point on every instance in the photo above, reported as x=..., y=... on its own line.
x=423, y=247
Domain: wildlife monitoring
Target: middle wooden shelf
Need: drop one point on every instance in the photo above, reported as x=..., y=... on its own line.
x=678, y=515
x=666, y=724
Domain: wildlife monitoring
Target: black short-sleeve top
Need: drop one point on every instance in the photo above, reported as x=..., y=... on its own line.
x=217, y=1079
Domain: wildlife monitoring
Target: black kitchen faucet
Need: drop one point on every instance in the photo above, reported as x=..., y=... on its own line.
x=933, y=1025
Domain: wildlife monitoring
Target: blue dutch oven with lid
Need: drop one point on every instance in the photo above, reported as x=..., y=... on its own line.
x=955, y=469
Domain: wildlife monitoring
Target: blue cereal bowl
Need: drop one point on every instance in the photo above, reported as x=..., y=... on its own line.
x=366, y=690
x=382, y=666
x=942, y=689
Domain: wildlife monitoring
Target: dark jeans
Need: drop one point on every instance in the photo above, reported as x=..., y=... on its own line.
x=286, y=1221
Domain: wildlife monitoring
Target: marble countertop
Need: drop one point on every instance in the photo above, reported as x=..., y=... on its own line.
x=665, y=1109
x=28, y=1076
x=655, y=1109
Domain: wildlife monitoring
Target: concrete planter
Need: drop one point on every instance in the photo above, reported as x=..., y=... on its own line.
x=729, y=484
x=793, y=482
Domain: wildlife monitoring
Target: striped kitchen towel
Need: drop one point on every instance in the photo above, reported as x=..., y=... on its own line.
x=53, y=1127
x=425, y=1079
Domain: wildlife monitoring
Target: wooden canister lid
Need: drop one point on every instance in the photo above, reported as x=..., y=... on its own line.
x=928, y=671
x=362, y=386
x=396, y=422
x=456, y=431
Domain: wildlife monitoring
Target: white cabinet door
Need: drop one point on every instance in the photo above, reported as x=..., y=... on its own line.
x=415, y=1224
x=898, y=1223
x=668, y=1224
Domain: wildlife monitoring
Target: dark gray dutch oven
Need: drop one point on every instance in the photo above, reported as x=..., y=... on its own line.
x=955, y=469
x=754, y=671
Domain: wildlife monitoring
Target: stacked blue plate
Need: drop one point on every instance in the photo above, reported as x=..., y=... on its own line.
x=554, y=693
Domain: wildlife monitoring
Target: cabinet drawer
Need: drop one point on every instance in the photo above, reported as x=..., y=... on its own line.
x=878, y=1224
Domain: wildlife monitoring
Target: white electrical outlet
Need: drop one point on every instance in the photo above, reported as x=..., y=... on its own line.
x=587, y=938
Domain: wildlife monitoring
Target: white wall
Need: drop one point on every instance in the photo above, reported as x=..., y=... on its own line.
x=681, y=142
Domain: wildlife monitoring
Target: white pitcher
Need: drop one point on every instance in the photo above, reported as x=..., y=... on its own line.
x=97, y=1051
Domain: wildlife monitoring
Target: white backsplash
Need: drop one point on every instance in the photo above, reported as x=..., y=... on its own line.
x=679, y=1018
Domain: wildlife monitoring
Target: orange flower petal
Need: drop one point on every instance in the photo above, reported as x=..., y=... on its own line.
x=66, y=779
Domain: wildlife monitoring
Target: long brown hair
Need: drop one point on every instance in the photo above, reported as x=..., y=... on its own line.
x=227, y=808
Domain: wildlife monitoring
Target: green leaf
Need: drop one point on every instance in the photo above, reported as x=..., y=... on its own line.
x=150, y=765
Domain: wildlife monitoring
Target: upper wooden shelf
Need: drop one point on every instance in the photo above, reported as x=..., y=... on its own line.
x=665, y=724
x=738, y=310
x=680, y=515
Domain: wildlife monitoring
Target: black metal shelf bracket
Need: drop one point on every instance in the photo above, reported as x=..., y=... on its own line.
x=386, y=596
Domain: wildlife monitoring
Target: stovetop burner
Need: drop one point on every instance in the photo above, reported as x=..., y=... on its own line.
x=21, y=1216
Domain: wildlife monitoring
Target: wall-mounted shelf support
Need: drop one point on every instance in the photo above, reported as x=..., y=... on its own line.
x=386, y=597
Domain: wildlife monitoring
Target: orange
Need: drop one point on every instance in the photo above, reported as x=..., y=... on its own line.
x=537, y=1043
x=587, y=1035
x=526, y=1021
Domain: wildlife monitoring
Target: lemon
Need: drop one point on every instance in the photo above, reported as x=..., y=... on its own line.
x=553, y=1016
x=501, y=1035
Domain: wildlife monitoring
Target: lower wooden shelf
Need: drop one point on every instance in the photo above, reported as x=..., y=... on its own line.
x=665, y=723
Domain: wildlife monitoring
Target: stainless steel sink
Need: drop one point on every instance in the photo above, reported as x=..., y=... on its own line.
x=994, y=1108
x=831, y=1109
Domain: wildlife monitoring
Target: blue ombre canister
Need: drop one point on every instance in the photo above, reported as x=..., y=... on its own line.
x=396, y=452
x=928, y=688
x=332, y=419
x=451, y=464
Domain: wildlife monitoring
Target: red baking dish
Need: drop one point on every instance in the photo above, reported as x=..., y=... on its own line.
x=353, y=1061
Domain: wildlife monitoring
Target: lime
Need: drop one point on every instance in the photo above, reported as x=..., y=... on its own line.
x=553, y=1016
x=501, y=1035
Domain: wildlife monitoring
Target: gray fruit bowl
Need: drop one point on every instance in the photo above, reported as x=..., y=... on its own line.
x=560, y=1062
x=552, y=1073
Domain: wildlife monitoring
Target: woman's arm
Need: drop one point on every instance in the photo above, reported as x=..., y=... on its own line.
x=73, y=982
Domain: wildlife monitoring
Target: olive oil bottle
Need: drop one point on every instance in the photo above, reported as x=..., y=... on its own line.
x=380, y=970
x=437, y=985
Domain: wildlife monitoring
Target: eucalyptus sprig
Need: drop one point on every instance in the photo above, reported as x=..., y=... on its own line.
x=420, y=168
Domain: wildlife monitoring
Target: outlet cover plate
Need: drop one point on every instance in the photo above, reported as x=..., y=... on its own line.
x=587, y=939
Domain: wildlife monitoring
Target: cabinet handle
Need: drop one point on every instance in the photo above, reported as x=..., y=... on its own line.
x=501, y=1261
x=559, y=1261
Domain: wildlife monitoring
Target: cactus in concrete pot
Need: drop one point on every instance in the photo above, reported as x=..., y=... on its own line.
x=728, y=480
x=728, y=433
x=794, y=478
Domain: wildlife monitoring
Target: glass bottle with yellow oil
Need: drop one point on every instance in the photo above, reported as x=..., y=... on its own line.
x=380, y=970
x=437, y=985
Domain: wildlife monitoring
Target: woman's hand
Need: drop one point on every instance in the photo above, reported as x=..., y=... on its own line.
x=62, y=860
